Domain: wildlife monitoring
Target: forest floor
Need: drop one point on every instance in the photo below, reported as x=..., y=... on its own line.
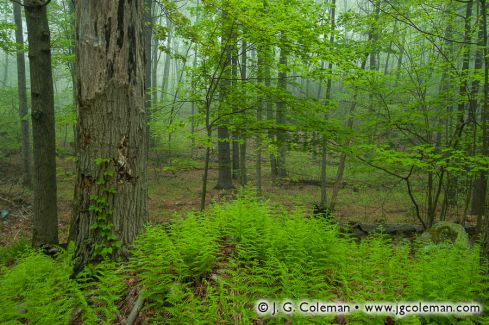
x=366, y=196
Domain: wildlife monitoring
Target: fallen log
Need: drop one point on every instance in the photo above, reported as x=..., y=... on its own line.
x=396, y=230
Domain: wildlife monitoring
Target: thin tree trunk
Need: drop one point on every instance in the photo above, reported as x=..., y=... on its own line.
x=270, y=113
x=324, y=197
x=22, y=91
x=476, y=206
x=148, y=66
x=242, y=146
x=166, y=69
x=389, y=50
x=259, y=118
x=235, y=136
x=154, y=59
x=206, y=164
x=45, y=218
x=224, y=180
x=483, y=221
x=280, y=117
x=341, y=165
x=5, y=70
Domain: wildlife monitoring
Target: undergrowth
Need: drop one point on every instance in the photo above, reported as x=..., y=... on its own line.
x=212, y=268
x=38, y=290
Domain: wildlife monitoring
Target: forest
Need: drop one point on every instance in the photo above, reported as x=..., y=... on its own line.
x=244, y=162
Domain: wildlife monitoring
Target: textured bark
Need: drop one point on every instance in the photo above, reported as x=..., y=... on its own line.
x=23, y=109
x=111, y=120
x=45, y=218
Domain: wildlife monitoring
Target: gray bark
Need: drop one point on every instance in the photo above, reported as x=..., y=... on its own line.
x=45, y=218
x=22, y=91
x=111, y=123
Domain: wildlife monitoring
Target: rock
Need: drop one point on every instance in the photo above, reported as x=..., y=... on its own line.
x=5, y=214
x=444, y=231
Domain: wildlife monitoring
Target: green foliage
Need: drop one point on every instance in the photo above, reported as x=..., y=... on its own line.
x=214, y=267
x=10, y=253
x=211, y=268
x=38, y=290
x=101, y=208
x=9, y=122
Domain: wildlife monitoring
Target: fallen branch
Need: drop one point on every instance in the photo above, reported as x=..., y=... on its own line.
x=8, y=201
x=135, y=309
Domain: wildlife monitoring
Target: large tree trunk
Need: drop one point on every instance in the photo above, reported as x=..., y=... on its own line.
x=111, y=185
x=45, y=218
x=23, y=110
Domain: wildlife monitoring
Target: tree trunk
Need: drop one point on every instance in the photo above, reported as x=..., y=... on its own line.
x=323, y=200
x=5, y=70
x=206, y=164
x=269, y=111
x=235, y=135
x=224, y=180
x=476, y=207
x=341, y=165
x=483, y=220
x=45, y=218
x=259, y=118
x=280, y=117
x=154, y=58
x=23, y=109
x=242, y=147
x=111, y=185
x=148, y=66
x=166, y=69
